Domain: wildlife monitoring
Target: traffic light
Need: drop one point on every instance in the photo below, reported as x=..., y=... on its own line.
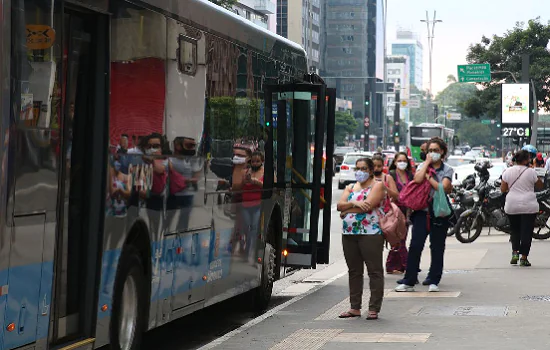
x=436, y=111
x=367, y=102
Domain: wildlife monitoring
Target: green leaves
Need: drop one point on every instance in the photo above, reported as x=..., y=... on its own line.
x=504, y=53
x=224, y=3
x=344, y=124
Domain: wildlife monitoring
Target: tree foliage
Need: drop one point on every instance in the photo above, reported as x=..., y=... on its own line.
x=344, y=125
x=455, y=95
x=504, y=53
x=228, y=4
x=474, y=133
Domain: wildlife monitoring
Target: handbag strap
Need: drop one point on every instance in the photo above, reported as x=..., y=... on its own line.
x=517, y=179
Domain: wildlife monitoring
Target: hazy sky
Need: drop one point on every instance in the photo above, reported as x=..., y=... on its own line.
x=464, y=23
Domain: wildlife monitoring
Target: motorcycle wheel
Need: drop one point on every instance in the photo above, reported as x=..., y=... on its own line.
x=541, y=226
x=463, y=229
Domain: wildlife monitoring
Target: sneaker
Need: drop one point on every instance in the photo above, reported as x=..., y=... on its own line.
x=515, y=258
x=433, y=288
x=524, y=262
x=404, y=288
x=427, y=282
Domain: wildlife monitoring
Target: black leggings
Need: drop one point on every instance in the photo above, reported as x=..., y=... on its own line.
x=522, y=232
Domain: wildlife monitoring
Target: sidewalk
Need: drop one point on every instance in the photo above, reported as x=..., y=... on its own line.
x=484, y=303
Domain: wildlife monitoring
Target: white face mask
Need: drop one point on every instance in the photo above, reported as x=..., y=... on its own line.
x=239, y=160
x=402, y=165
x=151, y=151
x=435, y=156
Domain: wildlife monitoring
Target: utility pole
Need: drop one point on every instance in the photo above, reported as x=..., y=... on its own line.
x=384, y=95
x=431, y=34
x=397, y=119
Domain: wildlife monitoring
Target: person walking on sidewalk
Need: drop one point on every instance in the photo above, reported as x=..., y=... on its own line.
x=361, y=206
x=426, y=223
x=521, y=205
x=401, y=173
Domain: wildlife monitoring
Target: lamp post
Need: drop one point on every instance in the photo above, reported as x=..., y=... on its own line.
x=384, y=95
x=431, y=35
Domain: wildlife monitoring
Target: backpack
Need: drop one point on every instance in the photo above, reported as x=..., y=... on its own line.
x=416, y=196
x=393, y=225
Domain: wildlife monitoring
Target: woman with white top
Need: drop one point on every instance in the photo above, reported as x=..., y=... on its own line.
x=521, y=204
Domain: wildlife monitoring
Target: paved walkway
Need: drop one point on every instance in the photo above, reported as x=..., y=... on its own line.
x=484, y=303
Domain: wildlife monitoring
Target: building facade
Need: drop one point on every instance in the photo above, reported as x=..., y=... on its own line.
x=300, y=21
x=261, y=12
x=407, y=44
x=398, y=73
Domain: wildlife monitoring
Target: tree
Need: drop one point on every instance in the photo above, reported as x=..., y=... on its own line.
x=474, y=133
x=504, y=53
x=344, y=125
x=455, y=95
x=228, y=4
x=451, y=78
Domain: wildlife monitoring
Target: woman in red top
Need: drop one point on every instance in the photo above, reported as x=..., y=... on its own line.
x=253, y=183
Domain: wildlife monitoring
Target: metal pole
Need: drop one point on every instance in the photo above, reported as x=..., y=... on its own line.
x=535, y=123
x=384, y=95
x=396, y=119
x=431, y=35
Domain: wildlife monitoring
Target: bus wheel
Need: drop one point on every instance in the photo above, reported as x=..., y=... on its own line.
x=127, y=318
x=263, y=292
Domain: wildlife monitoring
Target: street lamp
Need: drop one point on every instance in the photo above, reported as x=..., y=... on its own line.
x=431, y=35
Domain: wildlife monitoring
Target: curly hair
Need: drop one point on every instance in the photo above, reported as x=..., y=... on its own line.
x=439, y=141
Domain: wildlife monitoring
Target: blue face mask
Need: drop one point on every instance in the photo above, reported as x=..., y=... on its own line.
x=361, y=176
x=117, y=165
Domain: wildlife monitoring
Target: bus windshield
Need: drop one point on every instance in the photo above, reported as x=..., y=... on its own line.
x=425, y=132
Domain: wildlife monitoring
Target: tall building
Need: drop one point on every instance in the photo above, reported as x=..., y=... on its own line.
x=398, y=68
x=300, y=21
x=345, y=52
x=407, y=44
x=260, y=12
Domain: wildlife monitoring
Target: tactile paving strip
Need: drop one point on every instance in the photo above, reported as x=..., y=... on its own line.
x=307, y=339
x=344, y=305
x=382, y=337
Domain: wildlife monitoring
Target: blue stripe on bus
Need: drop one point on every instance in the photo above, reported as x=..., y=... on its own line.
x=177, y=271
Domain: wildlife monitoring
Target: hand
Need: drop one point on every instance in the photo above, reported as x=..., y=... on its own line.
x=429, y=159
x=343, y=214
x=364, y=206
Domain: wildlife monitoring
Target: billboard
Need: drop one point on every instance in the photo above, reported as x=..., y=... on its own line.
x=515, y=104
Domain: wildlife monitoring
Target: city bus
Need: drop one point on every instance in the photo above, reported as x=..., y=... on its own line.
x=418, y=134
x=132, y=188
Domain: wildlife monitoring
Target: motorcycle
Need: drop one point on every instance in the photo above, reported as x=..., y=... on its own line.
x=461, y=199
x=488, y=210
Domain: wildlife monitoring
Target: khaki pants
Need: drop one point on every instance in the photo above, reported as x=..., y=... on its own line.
x=359, y=250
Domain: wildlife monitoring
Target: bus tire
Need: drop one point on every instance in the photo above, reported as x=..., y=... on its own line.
x=127, y=318
x=262, y=294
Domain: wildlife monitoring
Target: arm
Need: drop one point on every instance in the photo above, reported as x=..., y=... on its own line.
x=504, y=186
x=128, y=191
x=539, y=184
x=392, y=188
x=421, y=171
x=376, y=195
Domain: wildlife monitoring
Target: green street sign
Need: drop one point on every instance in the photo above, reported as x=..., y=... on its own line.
x=486, y=121
x=477, y=73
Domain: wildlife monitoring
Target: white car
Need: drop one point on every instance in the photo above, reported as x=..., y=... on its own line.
x=347, y=169
x=455, y=161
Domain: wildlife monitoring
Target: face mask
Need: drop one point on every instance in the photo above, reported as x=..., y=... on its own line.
x=435, y=156
x=377, y=173
x=423, y=155
x=239, y=160
x=361, y=176
x=151, y=151
x=401, y=165
x=117, y=165
x=255, y=168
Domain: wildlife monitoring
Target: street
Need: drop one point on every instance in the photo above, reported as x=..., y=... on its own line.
x=484, y=303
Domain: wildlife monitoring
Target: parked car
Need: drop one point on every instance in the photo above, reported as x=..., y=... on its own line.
x=347, y=168
x=339, y=153
x=455, y=161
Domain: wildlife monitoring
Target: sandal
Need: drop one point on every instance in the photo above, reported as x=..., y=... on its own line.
x=373, y=315
x=348, y=314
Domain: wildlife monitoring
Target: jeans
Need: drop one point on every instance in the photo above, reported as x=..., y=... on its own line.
x=522, y=232
x=251, y=223
x=359, y=250
x=438, y=234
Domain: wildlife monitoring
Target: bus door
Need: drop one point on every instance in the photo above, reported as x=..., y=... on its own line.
x=300, y=116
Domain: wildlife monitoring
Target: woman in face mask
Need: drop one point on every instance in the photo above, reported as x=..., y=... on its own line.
x=426, y=224
x=401, y=173
x=361, y=206
x=253, y=183
x=388, y=181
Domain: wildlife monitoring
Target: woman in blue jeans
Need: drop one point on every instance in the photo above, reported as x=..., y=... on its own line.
x=426, y=224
